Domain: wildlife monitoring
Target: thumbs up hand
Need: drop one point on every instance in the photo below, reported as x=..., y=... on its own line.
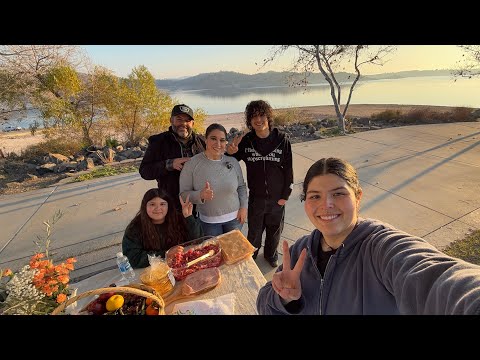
x=207, y=192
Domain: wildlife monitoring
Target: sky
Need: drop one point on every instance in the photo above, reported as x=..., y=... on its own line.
x=175, y=61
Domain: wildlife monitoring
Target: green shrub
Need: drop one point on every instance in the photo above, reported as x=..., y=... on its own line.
x=112, y=143
x=104, y=172
x=330, y=132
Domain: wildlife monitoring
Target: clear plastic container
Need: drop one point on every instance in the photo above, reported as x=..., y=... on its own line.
x=181, y=258
x=159, y=276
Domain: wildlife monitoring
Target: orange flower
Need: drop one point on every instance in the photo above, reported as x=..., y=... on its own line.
x=7, y=272
x=61, y=298
x=39, y=276
x=38, y=256
x=64, y=279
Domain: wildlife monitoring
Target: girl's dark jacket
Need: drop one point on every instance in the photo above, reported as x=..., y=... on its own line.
x=138, y=256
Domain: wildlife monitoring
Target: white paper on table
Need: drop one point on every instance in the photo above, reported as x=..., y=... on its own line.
x=222, y=305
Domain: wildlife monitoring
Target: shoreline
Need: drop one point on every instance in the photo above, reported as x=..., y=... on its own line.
x=321, y=111
x=17, y=141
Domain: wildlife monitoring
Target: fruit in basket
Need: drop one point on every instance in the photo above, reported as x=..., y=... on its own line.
x=104, y=297
x=151, y=310
x=114, y=302
x=97, y=307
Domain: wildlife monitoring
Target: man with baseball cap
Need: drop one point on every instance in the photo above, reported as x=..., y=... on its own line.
x=168, y=151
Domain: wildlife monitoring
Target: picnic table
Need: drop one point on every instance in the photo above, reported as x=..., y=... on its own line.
x=241, y=280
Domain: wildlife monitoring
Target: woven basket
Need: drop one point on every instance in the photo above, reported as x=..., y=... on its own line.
x=137, y=289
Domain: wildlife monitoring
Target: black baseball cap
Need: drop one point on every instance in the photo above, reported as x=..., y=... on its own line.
x=182, y=109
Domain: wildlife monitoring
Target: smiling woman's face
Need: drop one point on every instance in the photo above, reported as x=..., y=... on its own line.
x=332, y=207
x=216, y=143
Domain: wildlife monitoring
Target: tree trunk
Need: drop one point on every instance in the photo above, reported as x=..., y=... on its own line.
x=341, y=119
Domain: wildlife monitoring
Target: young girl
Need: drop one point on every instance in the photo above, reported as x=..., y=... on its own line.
x=352, y=265
x=157, y=227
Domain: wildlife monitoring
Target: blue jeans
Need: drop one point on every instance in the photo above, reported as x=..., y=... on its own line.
x=220, y=228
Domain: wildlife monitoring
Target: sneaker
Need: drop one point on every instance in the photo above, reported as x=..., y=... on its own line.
x=273, y=263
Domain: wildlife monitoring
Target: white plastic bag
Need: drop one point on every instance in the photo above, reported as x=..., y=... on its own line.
x=222, y=305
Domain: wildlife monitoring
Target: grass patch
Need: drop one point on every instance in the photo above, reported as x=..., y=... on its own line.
x=104, y=172
x=467, y=249
x=330, y=132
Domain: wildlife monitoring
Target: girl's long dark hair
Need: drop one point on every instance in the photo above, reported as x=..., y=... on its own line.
x=176, y=228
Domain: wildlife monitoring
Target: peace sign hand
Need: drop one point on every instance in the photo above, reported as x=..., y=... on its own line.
x=187, y=206
x=232, y=146
x=287, y=282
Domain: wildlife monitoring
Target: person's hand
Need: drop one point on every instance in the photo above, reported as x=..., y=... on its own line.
x=178, y=163
x=281, y=202
x=286, y=283
x=177, y=249
x=187, y=206
x=232, y=146
x=242, y=215
x=207, y=192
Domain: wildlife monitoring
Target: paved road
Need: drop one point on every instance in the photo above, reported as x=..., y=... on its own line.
x=423, y=179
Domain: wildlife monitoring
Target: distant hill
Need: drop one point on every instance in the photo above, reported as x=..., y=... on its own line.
x=231, y=79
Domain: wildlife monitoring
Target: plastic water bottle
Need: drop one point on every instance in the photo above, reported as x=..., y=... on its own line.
x=126, y=269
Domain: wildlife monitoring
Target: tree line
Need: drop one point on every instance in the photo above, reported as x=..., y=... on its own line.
x=77, y=98
x=74, y=95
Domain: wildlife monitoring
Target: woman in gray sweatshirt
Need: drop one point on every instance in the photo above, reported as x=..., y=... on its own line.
x=215, y=183
x=350, y=265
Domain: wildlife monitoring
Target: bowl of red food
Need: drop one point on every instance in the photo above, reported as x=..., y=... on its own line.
x=198, y=254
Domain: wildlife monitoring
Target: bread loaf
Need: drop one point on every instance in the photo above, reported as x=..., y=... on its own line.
x=235, y=246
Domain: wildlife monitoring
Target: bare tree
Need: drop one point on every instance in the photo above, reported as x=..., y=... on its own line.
x=330, y=59
x=469, y=65
x=23, y=69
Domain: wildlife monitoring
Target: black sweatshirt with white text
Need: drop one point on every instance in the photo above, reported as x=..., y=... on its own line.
x=269, y=164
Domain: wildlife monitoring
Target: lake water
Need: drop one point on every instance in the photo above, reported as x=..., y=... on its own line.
x=440, y=91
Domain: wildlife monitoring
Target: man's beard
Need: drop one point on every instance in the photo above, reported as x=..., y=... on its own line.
x=182, y=135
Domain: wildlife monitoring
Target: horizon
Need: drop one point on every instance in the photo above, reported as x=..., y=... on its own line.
x=170, y=62
x=228, y=71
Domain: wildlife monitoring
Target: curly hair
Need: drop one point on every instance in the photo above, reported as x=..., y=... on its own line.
x=175, y=223
x=258, y=107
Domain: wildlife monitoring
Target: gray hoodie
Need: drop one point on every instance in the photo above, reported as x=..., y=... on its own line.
x=379, y=270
